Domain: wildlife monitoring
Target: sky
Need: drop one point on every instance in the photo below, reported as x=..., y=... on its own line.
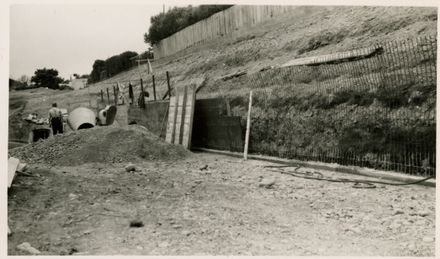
x=70, y=37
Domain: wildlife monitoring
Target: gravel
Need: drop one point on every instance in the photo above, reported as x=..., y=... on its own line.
x=109, y=144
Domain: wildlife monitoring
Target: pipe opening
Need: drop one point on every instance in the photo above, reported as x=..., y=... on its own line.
x=85, y=126
x=40, y=134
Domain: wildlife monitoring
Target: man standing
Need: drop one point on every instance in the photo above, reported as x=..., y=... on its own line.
x=56, y=119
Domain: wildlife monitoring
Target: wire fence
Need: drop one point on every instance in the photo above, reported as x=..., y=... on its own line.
x=377, y=111
x=154, y=88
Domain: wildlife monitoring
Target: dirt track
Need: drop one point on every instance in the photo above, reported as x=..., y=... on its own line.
x=86, y=210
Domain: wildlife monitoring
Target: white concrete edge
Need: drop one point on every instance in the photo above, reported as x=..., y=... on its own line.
x=385, y=175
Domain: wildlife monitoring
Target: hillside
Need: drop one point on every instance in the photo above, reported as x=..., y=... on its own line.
x=310, y=31
x=278, y=41
x=275, y=42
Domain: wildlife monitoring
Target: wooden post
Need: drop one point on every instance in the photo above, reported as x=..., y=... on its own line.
x=118, y=91
x=130, y=93
x=168, y=84
x=228, y=107
x=142, y=104
x=108, y=96
x=102, y=96
x=248, y=127
x=154, y=88
x=114, y=94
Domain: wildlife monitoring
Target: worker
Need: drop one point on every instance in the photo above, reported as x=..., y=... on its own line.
x=56, y=119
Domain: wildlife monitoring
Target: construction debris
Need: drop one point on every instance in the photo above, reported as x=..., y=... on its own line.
x=267, y=182
x=424, y=213
x=266, y=68
x=12, y=168
x=26, y=247
x=22, y=167
x=130, y=167
x=136, y=223
x=230, y=76
x=205, y=167
x=33, y=118
x=335, y=57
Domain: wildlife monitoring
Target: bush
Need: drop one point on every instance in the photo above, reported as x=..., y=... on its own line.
x=47, y=78
x=111, y=66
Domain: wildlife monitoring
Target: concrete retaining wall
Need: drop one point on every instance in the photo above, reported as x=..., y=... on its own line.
x=153, y=117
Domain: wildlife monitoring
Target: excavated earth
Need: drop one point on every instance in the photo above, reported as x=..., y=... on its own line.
x=101, y=144
x=205, y=204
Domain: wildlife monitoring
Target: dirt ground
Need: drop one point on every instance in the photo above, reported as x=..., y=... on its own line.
x=190, y=209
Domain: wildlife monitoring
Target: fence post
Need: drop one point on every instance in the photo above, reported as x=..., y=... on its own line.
x=154, y=87
x=168, y=84
x=130, y=93
x=108, y=96
x=248, y=127
x=102, y=96
x=141, y=96
x=114, y=93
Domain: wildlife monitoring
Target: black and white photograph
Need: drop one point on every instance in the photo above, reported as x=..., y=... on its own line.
x=160, y=128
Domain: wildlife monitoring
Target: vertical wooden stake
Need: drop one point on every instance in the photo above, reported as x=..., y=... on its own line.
x=108, y=96
x=142, y=104
x=228, y=107
x=102, y=96
x=118, y=93
x=114, y=93
x=168, y=84
x=154, y=88
x=248, y=127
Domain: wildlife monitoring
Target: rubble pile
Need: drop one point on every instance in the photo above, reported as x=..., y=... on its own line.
x=102, y=144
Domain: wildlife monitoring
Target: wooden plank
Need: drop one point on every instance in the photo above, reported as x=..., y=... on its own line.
x=248, y=127
x=340, y=56
x=189, y=117
x=154, y=87
x=12, y=167
x=168, y=85
x=185, y=91
x=179, y=117
x=169, y=137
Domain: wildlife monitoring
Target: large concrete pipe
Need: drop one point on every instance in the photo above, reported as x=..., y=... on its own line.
x=107, y=115
x=81, y=118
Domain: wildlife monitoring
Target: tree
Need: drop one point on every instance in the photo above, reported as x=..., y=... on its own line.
x=47, y=78
x=110, y=67
x=98, y=67
x=12, y=84
x=178, y=18
x=24, y=79
x=17, y=84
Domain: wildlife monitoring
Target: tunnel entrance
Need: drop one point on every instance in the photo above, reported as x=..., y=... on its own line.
x=85, y=126
x=40, y=134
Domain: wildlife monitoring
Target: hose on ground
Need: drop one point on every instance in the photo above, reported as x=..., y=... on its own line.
x=357, y=183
